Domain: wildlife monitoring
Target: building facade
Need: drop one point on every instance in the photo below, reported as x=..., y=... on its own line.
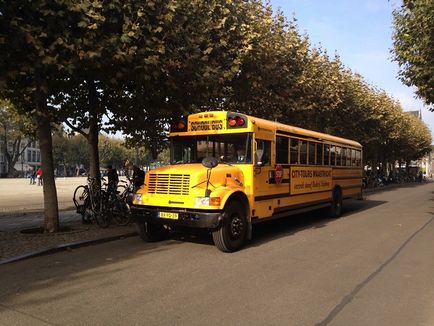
x=29, y=160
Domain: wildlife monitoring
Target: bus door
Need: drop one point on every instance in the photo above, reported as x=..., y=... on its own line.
x=267, y=192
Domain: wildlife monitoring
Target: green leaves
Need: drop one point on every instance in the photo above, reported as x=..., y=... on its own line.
x=413, y=42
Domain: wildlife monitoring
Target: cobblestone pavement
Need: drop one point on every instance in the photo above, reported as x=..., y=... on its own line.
x=15, y=244
x=21, y=207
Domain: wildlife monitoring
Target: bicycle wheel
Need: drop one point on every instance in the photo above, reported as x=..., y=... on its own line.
x=121, y=212
x=81, y=198
x=100, y=209
x=120, y=189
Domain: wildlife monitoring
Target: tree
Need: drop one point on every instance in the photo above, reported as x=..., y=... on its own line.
x=187, y=54
x=113, y=152
x=36, y=63
x=16, y=134
x=413, y=42
x=267, y=83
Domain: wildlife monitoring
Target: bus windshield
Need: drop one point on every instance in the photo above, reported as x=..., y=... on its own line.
x=227, y=148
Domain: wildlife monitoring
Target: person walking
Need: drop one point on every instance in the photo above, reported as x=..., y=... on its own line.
x=113, y=179
x=32, y=177
x=39, y=176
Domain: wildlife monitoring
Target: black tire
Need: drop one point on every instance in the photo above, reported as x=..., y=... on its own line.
x=121, y=213
x=336, y=207
x=101, y=211
x=232, y=234
x=81, y=199
x=149, y=232
x=88, y=217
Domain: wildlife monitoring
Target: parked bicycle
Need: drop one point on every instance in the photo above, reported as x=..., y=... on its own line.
x=115, y=205
x=96, y=204
x=87, y=199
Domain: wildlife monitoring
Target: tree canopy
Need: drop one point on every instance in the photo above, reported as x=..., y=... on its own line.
x=413, y=42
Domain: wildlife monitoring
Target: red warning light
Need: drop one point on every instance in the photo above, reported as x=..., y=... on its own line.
x=232, y=122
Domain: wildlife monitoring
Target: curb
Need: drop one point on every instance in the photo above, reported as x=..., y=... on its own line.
x=54, y=249
x=392, y=186
x=15, y=213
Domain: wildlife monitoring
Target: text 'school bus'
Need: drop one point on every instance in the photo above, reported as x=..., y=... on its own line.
x=229, y=170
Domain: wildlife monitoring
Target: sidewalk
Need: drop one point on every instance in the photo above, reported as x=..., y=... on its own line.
x=16, y=245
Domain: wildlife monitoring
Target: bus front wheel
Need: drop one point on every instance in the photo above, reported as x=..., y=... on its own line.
x=231, y=235
x=336, y=208
x=149, y=232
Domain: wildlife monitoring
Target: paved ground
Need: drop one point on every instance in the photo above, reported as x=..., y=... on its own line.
x=21, y=208
x=17, y=196
x=374, y=266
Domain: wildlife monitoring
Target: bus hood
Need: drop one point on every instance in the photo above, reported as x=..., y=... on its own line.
x=191, y=180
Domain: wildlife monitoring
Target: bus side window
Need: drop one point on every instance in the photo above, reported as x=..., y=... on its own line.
x=303, y=152
x=326, y=154
x=358, y=158
x=263, y=147
x=294, y=151
x=343, y=156
x=282, y=147
x=338, y=155
x=311, y=154
x=319, y=154
x=349, y=156
x=333, y=155
x=353, y=157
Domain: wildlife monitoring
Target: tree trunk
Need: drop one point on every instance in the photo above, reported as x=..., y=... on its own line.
x=93, y=139
x=51, y=213
x=93, y=136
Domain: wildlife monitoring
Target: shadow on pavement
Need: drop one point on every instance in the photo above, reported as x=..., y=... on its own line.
x=275, y=229
x=68, y=271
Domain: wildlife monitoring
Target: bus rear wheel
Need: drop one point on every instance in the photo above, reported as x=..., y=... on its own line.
x=149, y=232
x=232, y=234
x=336, y=208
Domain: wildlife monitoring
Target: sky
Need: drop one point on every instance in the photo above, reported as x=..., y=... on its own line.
x=360, y=32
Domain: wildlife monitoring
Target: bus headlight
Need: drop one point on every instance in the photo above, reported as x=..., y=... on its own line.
x=138, y=197
x=207, y=201
x=201, y=201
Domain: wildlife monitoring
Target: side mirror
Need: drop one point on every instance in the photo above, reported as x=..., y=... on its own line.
x=259, y=154
x=210, y=162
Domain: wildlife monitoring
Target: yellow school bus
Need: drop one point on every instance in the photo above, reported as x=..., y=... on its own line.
x=229, y=171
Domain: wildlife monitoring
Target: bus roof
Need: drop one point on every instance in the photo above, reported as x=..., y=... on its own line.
x=306, y=133
x=277, y=127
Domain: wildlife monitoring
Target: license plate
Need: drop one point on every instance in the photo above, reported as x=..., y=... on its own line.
x=173, y=216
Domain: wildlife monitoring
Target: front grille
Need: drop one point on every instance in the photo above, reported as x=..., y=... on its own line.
x=169, y=184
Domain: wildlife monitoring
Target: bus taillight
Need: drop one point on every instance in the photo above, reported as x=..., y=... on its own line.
x=178, y=126
x=236, y=121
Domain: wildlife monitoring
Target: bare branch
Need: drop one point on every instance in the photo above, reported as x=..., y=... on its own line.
x=76, y=129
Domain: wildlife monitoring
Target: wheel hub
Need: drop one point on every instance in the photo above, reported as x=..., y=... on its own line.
x=237, y=226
